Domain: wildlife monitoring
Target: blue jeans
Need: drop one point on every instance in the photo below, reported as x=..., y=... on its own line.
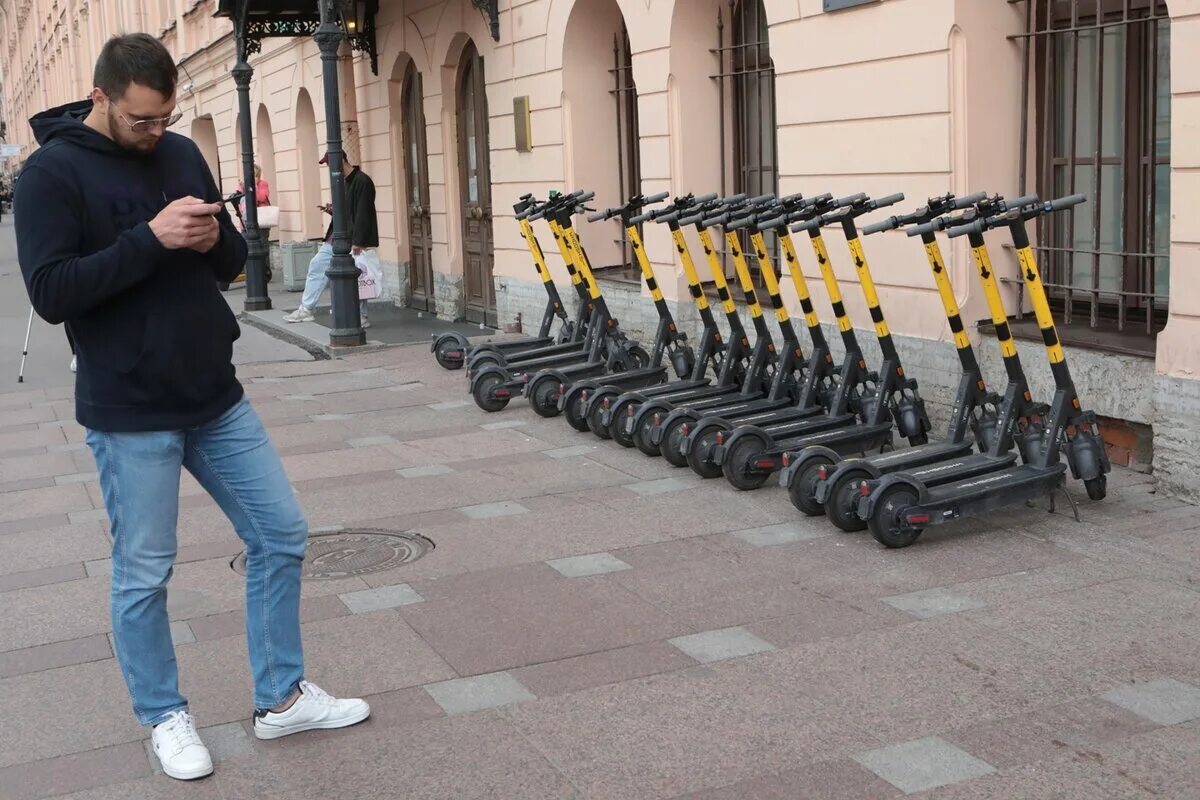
x=317, y=281
x=232, y=458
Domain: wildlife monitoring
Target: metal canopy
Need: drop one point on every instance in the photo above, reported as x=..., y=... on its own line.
x=261, y=19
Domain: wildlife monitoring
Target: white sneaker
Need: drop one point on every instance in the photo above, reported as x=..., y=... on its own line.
x=301, y=314
x=313, y=710
x=366, y=323
x=73, y=363
x=179, y=749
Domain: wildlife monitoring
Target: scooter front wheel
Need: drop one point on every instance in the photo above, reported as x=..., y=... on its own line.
x=543, y=395
x=698, y=455
x=1097, y=487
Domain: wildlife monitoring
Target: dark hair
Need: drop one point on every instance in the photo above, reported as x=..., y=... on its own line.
x=135, y=58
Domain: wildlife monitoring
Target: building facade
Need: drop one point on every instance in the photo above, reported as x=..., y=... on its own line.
x=812, y=96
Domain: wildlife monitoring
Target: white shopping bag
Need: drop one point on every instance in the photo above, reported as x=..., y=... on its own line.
x=370, y=275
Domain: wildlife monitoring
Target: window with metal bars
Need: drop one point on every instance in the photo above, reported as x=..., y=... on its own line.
x=1097, y=79
x=629, y=162
x=748, y=132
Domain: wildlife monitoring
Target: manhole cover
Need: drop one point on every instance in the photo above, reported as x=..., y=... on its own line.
x=345, y=554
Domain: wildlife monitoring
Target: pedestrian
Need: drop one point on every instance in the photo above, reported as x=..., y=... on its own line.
x=363, y=224
x=121, y=232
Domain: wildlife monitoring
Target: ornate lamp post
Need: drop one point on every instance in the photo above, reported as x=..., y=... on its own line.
x=254, y=20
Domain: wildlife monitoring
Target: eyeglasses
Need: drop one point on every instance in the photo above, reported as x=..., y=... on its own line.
x=143, y=126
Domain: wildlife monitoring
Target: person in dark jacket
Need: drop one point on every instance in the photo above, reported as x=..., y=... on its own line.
x=363, y=230
x=120, y=234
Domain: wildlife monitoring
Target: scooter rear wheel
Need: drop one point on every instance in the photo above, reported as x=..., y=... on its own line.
x=444, y=359
x=641, y=436
x=738, y=464
x=703, y=441
x=597, y=410
x=885, y=520
x=574, y=411
x=616, y=428
x=671, y=447
x=843, y=497
x=802, y=490
x=542, y=396
x=482, y=393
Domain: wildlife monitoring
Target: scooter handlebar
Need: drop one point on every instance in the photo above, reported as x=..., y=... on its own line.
x=670, y=216
x=1066, y=202
x=739, y=223
x=966, y=202
x=762, y=198
x=807, y=225
x=920, y=230
x=890, y=200
x=976, y=226
x=655, y=198
x=705, y=198
x=773, y=222
x=883, y=225
x=640, y=218
x=849, y=200
x=1022, y=201
x=599, y=215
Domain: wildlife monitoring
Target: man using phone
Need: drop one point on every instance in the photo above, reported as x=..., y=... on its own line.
x=121, y=235
x=363, y=230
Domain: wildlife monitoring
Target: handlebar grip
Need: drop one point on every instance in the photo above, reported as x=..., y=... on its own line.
x=655, y=198
x=705, y=198
x=734, y=198
x=821, y=198
x=962, y=230
x=966, y=202
x=1067, y=202
x=762, y=198
x=890, y=200
x=807, y=225
x=921, y=230
x=640, y=218
x=741, y=222
x=883, y=225
x=692, y=219
x=1023, y=200
x=774, y=222
x=849, y=200
x=584, y=197
x=526, y=196
x=719, y=219
x=599, y=215
x=792, y=198
x=670, y=216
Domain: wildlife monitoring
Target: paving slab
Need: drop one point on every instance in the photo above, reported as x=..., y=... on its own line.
x=709, y=646
x=923, y=764
x=1166, y=701
x=478, y=692
x=590, y=564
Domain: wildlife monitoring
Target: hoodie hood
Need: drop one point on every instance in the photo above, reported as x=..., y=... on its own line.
x=66, y=123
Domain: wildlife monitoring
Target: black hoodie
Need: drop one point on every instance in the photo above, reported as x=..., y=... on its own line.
x=153, y=336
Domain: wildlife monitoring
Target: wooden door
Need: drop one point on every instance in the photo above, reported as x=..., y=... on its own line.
x=474, y=169
x=416, y=160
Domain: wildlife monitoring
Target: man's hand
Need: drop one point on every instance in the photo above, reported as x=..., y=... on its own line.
x=355, y=250
x=327, y=208
x=187, y=222
x=209, y=240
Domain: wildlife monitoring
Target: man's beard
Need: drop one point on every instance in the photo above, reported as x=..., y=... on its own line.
x=125, y=138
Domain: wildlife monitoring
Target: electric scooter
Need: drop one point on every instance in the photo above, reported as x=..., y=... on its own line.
x=788, y=375
x=753, y=451
x=452, y=349
x=493, y=386
x=744, y=369
x=574, y=398
x=545, y=388
x=899, y=507
x=820, y=482
x=677, y=434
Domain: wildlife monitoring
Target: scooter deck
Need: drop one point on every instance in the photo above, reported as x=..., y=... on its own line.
x=919, y=456
x=962, y=468
x=843, y=438
x=513, y=346
x=995, y=490
x=647, y=377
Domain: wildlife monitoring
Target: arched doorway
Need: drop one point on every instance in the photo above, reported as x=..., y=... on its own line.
x=264, y=152
x=204, y=134
x=601, y=123
x=416, y=178
x=310, y=177
x=475, y=190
